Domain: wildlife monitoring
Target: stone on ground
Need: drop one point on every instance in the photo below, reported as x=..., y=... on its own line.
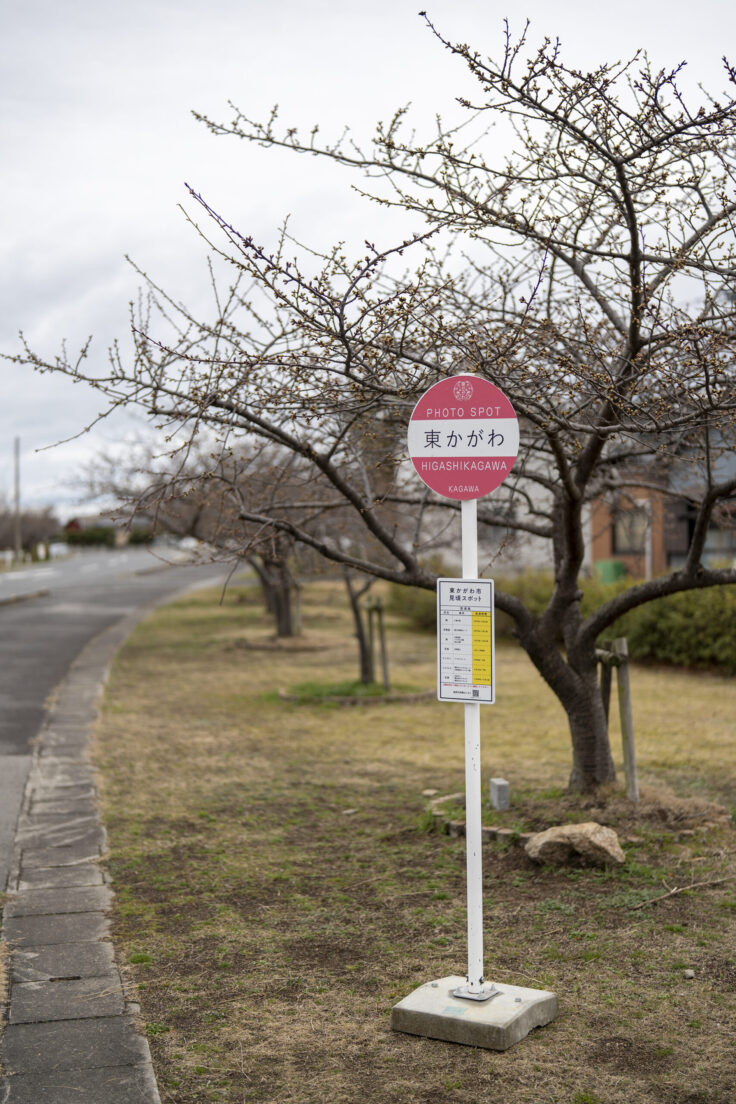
x=569, y=843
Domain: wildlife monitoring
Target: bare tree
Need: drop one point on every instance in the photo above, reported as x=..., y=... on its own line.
x=589, y=273
x=35, y=526
x=194, y=494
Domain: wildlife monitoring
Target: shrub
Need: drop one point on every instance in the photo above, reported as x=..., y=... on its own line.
x=416, y=606
x=419, y=607
x=694, y=629
x=533, y=588
x=96, y=534
x=139, y=534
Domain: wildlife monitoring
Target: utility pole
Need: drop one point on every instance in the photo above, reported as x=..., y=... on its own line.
x=18, y=537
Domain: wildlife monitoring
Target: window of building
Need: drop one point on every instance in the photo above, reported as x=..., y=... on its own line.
x=720, y=545
x=630, y=531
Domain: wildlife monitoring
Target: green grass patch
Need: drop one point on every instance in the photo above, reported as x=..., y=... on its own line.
x=314, y=691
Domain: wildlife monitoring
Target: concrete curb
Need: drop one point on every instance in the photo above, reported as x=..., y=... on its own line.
x=44, y=593
x=456, y=828
x=71, y=1036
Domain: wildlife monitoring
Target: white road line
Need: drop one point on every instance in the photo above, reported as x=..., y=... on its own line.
x=21, y=576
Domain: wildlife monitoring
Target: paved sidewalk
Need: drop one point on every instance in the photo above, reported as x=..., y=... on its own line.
x=71, y=1035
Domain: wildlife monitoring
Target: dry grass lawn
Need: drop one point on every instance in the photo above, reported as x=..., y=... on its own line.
x=279, y=886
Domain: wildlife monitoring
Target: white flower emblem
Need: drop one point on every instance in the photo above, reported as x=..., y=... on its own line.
x=463, y=390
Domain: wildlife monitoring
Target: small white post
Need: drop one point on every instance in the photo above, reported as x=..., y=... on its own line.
x=475, y=989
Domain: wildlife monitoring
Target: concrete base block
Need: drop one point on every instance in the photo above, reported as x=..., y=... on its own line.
x=495, y=1024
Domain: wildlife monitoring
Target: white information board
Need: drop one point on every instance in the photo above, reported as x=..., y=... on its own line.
x=465, y=640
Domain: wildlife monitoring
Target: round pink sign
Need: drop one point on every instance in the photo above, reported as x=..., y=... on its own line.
x=463, y=437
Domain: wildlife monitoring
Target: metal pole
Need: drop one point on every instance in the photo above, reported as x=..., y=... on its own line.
x=606, y=680
x=475, y=989
x=621, y=649
x=370, y=610
x=382, y=638
x=18, y=536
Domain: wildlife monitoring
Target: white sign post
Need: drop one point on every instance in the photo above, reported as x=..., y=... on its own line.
x=465, y=673
x=463, y=440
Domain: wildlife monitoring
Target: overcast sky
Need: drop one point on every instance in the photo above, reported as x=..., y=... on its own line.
x=97, y=141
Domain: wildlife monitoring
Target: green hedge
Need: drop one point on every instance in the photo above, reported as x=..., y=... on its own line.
x=694, y=629
x=416, y=606
x=533, y=588
x=96, y=534
x=139, y=534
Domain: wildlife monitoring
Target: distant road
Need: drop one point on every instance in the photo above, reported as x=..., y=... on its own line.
x=41, y=636
x=81, y=568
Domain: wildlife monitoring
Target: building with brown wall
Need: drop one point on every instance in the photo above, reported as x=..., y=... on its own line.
x=644, y=532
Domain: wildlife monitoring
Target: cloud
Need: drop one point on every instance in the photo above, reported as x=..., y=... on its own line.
x=98, y=139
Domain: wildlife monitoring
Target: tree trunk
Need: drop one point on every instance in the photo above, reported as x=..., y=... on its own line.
x=592, y=763
x=276, y=586
x=574, y=681
x=264, y=582
x=283, y=611
x=365, y=651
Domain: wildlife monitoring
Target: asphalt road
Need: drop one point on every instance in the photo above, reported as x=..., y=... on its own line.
x=80, y=569
x=41, y=636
